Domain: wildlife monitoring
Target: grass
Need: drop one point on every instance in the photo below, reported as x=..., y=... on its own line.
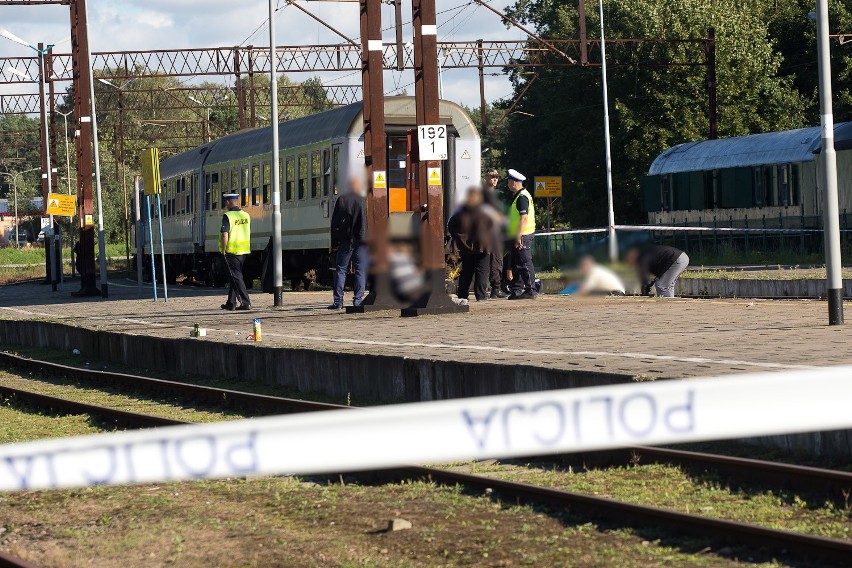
x=795, y=273
x=72, y=390
x=35, y=255
x=293, y=522
x=22, y=426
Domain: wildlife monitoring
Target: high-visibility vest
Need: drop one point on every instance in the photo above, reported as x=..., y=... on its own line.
x=239, y=237
x=515, y=216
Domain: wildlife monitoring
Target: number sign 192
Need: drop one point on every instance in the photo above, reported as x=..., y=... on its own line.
x=432, y=141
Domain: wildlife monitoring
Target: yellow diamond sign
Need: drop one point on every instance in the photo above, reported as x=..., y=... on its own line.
x=59, y=204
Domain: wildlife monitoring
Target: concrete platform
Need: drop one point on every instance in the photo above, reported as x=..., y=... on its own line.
x=621, y=336
x=499, y=347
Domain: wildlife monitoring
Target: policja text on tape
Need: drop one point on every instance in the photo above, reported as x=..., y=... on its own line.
x=433, y=432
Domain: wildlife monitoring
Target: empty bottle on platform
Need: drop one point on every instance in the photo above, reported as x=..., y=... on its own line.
x=257, y=329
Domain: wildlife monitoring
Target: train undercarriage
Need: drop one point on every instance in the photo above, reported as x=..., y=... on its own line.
x=304, y=269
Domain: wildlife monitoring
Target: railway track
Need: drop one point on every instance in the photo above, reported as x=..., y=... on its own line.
x=831, y=482
x=737, y=533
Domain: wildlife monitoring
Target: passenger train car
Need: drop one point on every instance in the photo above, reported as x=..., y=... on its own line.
x=773, y=176
x=319, y=155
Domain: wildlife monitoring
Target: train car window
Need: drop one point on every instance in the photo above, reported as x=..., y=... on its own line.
x=212, y=190
x=665, y=193
x=255, y=185
x=316, y=175
x=758, y=187
x=244, y=186
x=795, y=187
x=290, y=179
x=303, y=175
x=267, y=175
x=335, y=168
x=326, y=172
x=784, y=185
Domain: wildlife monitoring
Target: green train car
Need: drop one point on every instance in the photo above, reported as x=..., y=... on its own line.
x=772, y=176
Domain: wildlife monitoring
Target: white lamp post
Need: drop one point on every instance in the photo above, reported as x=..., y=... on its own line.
x=613, y=243
x=14, y=176
x=48, y=174
x=277, y=269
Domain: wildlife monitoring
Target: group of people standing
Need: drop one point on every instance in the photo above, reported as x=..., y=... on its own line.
x=480, y=233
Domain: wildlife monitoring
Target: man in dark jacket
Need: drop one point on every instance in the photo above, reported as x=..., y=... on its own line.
x=490, y=197
x=664, y=262
x=472, y=230
x=349, y=236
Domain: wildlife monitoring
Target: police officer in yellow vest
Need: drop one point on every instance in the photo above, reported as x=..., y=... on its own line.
x=520, y=234
x=235, y=245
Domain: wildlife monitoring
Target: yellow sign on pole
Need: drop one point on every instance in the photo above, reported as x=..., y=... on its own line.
x=380, y=180
x=548, y=186
x=151, y=170
x=59, y=204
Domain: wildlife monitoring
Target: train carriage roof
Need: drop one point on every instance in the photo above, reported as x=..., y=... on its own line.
x=339, y=122
x=744, y=151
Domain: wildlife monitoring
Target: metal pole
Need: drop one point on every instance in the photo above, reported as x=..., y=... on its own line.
x=162, y=250
x=67, y=154
x=140, y=236
x=828, y=173
x=119, y=149
x=151, y=240
x=613, y=244
x=710, y=61
x=83, y=145
x=15, y=191
x=50, y=246
x=101, y=243
x=276, y=184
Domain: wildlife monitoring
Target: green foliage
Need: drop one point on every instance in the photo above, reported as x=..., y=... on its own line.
x=766, y=75
x=142, y=113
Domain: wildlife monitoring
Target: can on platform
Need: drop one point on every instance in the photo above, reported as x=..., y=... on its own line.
x=257, y=330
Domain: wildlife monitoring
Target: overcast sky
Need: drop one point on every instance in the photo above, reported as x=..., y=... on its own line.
x=118, y=25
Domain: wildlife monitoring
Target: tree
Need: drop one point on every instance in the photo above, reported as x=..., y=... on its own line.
x=652, y=108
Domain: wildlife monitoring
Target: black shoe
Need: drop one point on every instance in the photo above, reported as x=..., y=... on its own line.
x=334, y=307
x=527, y=296
x=243, y=308
x=227, y=306
x=512, y=296
x=482, y=299
x=498, y=294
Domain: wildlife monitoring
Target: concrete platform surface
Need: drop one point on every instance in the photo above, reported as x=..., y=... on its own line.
x=625, y=336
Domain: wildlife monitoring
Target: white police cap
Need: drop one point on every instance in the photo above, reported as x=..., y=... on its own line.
x=517, y=176
x=231, y=195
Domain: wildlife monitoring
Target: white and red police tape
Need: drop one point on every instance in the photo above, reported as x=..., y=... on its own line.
x=673, y=228
x=433, y=432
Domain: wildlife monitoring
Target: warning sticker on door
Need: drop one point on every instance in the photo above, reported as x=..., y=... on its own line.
x=380, y=180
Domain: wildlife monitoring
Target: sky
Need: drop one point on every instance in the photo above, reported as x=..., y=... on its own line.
x=123, y=25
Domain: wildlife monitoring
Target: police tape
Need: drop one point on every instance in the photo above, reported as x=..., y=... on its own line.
x=434, y=432
x=667, y=228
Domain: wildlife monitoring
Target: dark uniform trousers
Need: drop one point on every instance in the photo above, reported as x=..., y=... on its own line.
x=496, y=276
x=523, y=271
x=238, y=290
x=474, y=267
